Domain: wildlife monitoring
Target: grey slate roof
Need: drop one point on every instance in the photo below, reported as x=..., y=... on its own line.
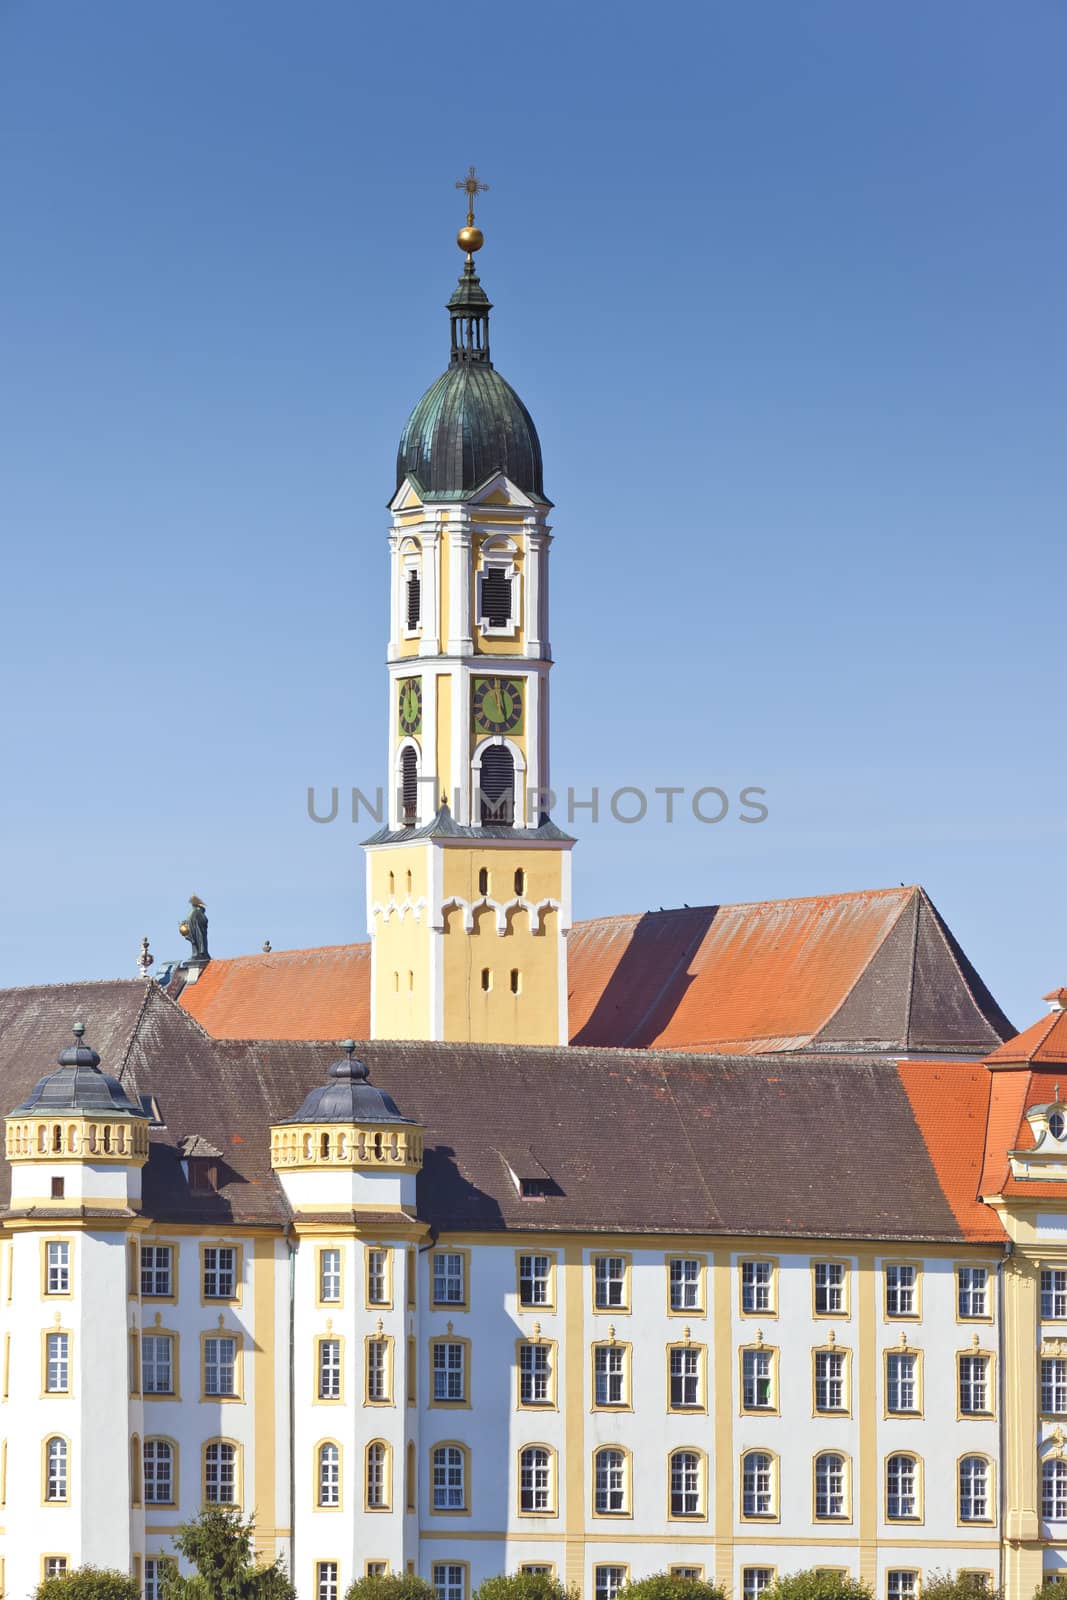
x=634, y=1141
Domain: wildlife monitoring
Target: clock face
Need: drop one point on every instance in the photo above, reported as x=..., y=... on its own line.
x=409, y=705
x=497, y=705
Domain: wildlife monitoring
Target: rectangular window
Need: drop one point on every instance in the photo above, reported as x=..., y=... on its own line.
x=220, y=1474
x=757, y=1390
x=378, y=1370
x=57, y=1279
x=448, y=1285
x=158, y=1472
x=450, y=1580
x=1054, y=1293
x=692, y=1574
x=327, y=1586
x=609, y=1368
x=329, y=1386
x=830, y=1380
x=448, y=1357
x=902, y=1500
x=608, y=1581
x=330, y=1276
x=55, y=1566
x=220, y=1366
x=535, y=1374
x=157, y=1363
x=754, y=1580
x=155, y=1570
x=414, y=599
x=901, y=1585
x=974, y=1385
x=377, y=1277
x=829, y=1288
x=156, y=1272
x=495, y=590
x=1053, y=1385
x=377, y=1569
x=972, y=1291
x=757, y=1279
x=902, y=1388
x=220, y=1272
x=609, y=1281
x=685, y=1378
x=57, y=1363
x=900, y=1289
x=534, y=1280
x=684, y=1284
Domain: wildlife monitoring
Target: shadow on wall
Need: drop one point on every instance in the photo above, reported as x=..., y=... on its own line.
x=650, y=982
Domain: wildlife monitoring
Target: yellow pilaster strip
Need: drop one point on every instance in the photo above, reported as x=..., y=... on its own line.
x=1023, y=1557
x=264, y=1385
x=723, y=1421
x=870, y=1488
x=574, y=1418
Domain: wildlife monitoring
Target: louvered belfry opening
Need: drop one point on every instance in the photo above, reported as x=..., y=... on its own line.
x=414, y=599
x=496, y=597
x=409, y=786
x=497, y=786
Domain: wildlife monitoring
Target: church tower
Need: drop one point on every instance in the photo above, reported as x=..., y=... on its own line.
x=468, y=881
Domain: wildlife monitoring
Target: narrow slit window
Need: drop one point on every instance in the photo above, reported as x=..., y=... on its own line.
x=487, y=979
x=515, y=985
x=414, y=599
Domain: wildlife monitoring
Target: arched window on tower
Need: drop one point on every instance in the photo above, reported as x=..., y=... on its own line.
x=409, y=786
x=496, y=786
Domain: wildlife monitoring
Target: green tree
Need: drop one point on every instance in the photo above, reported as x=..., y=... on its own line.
x=671, y=1586
x=219, y=1544
x=818, y=1584
x=390, y=1586
x=89, y=1583
x=1049, y=1590
x=524, y=1586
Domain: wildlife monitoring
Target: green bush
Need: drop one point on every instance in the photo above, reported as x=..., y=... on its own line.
x=391, y=1586
x=817, y=1584
x=89, y=1583
x=669, y=1586
x=219, y=1544
x=525, y=1586
x=964, y=1586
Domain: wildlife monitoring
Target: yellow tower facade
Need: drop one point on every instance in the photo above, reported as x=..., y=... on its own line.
x=468, y=881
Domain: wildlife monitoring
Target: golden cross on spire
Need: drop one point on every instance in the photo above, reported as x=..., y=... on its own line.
x=472, y=185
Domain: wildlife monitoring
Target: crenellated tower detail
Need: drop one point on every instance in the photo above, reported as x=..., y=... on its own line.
x=468, y=882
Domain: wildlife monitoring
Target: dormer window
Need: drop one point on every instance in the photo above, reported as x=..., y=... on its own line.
x=1057, y=1123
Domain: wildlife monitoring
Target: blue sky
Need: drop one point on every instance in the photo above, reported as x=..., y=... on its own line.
x=782, y=285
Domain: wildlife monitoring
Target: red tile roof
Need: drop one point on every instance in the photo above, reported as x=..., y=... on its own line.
x=875, y=969
x=1045, y=1041
x=950, y=1104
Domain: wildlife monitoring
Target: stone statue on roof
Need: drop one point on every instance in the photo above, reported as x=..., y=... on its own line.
x=194, y=928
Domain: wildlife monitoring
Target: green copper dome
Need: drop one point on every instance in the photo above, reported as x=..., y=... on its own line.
x=470, y=423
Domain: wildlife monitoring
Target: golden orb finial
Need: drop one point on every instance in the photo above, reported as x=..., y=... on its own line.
x=471, y=238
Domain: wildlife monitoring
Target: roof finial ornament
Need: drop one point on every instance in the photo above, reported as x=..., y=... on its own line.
x=267, y=947
x=146, y=959
x=194, y=928
x=471, y=238
x=78, y=1030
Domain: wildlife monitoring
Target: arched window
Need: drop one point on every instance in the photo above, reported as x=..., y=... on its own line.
x=159, y=1472
x=496, y=786
x=449, y=1464
x=1054, y=1490
x=220, y=1473
x=830, y=1498
x=757, y=1484
x=685, y=1484
x=610, y=1482
x=56, y=1481
x=329, y=1474
x=378, y=1495
x=974, y=1489
x=535, y=1479
x=409, y=785
x=901, y=1488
